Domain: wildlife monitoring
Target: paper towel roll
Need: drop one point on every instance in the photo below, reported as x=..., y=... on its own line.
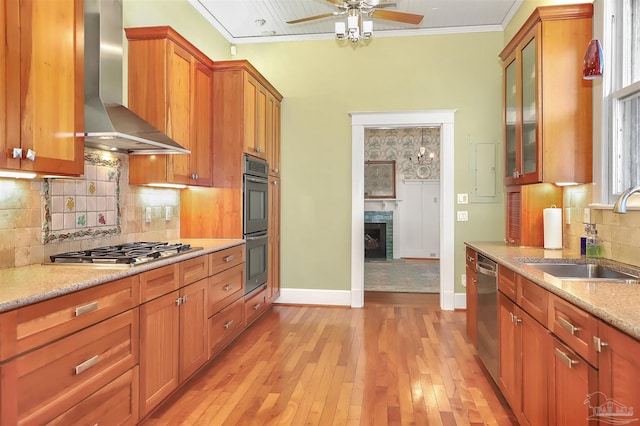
x=552, y=228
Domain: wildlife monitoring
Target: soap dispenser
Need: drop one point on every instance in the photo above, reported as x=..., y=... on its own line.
x=594, y=246
x=583, y=239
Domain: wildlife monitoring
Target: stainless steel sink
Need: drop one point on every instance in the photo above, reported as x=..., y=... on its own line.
x=583, y=271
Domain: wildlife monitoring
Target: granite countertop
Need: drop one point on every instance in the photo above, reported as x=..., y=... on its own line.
x=34, y=283
x=613, y=302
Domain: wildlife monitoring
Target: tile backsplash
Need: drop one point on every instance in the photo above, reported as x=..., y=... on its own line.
x=42, y=217
x=620, y=233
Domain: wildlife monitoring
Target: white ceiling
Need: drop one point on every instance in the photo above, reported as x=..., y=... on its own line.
x=238, y=20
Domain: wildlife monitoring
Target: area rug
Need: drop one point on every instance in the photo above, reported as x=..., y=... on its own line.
x=402, y=276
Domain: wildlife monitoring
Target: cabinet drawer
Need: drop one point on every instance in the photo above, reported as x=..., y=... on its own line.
x=533, y=299
x=575, y=327
x=225, y=259
x=255, y=305
x=224, y=287
x=158, y=282
x=507, y=282
x=41, y=323
x=52, y=379
x=224, y=325
x=193, y=270
x=114, y=404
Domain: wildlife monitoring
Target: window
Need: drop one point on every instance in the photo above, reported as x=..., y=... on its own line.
x=623, y=97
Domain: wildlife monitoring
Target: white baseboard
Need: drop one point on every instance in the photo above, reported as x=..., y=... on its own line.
x=304, y=296
x=460, y=301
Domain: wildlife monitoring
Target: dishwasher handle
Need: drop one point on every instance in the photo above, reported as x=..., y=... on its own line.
x=485, y=269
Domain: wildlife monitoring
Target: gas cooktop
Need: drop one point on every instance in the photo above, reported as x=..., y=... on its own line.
x=127, y=254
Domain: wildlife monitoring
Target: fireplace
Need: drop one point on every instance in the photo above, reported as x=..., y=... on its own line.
x=375, y=240
x=378, y=235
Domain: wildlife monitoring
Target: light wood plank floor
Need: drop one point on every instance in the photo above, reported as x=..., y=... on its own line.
x=398, y=361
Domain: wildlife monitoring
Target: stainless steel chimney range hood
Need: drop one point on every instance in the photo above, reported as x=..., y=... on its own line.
x=108, y=124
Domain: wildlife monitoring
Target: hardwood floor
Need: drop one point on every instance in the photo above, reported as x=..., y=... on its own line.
x=399, y=360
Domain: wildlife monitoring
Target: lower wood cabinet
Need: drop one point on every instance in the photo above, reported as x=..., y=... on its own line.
x=619, y=374
x=225, y=325
x=110, y=405
x=255, y=304
x=573, y=380
x=560, y=365
x=53, y=379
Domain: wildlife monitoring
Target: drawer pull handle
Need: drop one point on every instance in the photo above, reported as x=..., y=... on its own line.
x=229, y=258
x=93, y=306
x=228, y=324
x=83, y=366
x=257, y=306
x=599, y=343
x=228, y=287
x=567, y=326
x=565, y=358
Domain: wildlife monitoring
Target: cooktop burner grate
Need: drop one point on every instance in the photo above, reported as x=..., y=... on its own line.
x=127, y=253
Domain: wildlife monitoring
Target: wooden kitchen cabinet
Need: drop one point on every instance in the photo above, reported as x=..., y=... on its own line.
x=547, y=104
x=572, y=381
x=525, y=208
x=472, y=296
x=619, y=373
x=246, y=109
x=523, y=375
x=194, y=351
x=170, y=85
x=159, y=350
x=42, y=86
x=273, y=135
x=273, y=280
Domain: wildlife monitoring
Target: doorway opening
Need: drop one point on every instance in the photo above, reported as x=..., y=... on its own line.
x=361, y=121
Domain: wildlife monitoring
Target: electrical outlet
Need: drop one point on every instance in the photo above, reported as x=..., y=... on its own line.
x=147, y=215
x=567, y=216
x=167, y=213
x=586, y=216
x=463, y=280
x=463, y=216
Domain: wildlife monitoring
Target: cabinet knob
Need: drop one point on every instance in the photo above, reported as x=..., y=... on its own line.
x=16, y=153
x=257, y=306
x=227, y=287
x=474, y=281
x=31, y=155
x=195, y=176
x=228, y=324
x=275, y=182
x=516, y=174
x=470, y=259
x=258, y=149
x=276, y=170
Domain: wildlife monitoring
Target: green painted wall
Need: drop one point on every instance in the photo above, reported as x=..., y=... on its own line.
x=322, y=82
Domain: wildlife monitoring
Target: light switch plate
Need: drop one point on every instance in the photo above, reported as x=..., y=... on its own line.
x=147, y=214
x=586, y=216
x=167, y=213
x=463, y=198
x=463, y=216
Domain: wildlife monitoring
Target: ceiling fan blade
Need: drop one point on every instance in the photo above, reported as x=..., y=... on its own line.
x=392, y=15
x=311, y=18
x=337, y=2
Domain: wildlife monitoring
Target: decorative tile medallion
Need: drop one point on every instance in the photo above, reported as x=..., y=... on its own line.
x=84, y=208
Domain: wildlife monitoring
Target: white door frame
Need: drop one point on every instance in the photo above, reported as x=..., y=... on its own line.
x=362, y=120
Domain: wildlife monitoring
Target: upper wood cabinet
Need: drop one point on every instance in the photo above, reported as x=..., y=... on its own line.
x=525, y=208
x=42, y=86
x=246, y=111
x=170, y=85
x=547, y=103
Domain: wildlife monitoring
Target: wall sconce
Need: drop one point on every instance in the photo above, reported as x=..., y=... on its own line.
x=593, y=61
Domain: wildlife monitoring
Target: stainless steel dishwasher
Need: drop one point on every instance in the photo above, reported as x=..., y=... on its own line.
x=488, y=314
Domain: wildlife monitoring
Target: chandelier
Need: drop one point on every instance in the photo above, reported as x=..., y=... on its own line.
x=356, y=28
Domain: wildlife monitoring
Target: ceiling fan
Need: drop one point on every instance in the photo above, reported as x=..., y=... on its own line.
x=357, y=11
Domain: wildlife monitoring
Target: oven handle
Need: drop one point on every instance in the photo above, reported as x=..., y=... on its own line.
x=256, y=238
x=256, y=179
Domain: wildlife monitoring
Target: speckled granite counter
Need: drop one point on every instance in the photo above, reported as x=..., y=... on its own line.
x=615, y=303
x=34, y=283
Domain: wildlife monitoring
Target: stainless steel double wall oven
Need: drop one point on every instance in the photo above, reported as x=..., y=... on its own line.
x=256, y=208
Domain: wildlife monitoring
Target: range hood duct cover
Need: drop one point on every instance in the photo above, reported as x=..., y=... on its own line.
x=108, y=124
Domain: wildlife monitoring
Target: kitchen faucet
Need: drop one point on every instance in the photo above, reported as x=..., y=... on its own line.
x=621, y=203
